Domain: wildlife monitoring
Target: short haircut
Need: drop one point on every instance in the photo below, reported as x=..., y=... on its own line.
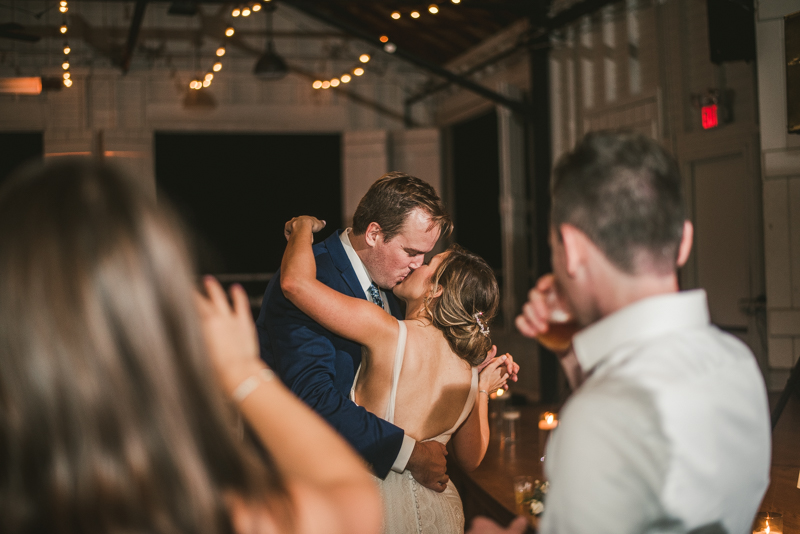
x=392, y=198
x=623, y=191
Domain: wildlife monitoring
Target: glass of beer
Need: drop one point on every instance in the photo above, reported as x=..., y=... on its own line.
x=561, y=326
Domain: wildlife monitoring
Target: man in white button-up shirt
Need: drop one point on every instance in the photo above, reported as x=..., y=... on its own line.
x=668, y=428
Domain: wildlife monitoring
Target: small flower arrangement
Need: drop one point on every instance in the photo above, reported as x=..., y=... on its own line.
x=536, y=502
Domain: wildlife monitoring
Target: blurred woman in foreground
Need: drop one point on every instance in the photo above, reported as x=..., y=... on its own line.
x=110, y=417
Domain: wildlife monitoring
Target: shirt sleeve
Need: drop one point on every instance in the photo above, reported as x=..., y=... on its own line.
x=405, y=453
x=606, y=463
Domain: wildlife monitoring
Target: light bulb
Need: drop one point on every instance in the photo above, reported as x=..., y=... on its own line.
x=217, y=66
x=246, y=12
x=65, y=65
x=229, y=31
x=326, y=84
x=256, y=7
x=317, y=84
x=220, y=51
x=433, y=8
x=335, y=82
x=345, y=78
x=236, y=12
x=192, y=84
x=66, y=75
x=390, y=48
x=68, y=82
x=364, y=58
x=456, y=1
x=198, y=84
x=384, y=38
x=415, y=14
x=501, y=392
x=63, y=9
x=62, y=3
x=63, y=28
x=395, y=15
x=209, y=76
x=206, y=82
x=358, y=71
x=67, y=49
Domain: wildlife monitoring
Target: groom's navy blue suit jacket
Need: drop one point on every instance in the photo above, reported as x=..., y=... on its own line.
x=319, y=366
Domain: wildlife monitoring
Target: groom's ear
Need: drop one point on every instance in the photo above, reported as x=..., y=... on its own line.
x=374, y=234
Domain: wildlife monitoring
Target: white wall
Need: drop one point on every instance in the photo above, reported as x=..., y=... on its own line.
x=780, y=164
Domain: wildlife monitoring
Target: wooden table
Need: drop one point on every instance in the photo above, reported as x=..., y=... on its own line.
x=489, y=490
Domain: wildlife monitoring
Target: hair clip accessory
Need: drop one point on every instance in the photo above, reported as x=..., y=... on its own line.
x=479, y=319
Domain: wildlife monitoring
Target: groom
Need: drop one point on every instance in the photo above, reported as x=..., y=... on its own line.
x=396, y=223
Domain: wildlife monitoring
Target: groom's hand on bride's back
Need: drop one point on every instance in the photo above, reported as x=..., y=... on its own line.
x=428, y=465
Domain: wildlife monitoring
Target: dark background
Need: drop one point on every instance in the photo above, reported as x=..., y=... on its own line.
x=17, y=148
x=236, y=191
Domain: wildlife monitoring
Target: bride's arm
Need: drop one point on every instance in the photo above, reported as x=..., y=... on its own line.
x=349, y=317
x=471, y=439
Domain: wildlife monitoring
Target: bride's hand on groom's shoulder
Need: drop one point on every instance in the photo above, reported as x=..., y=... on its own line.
x=293, y=224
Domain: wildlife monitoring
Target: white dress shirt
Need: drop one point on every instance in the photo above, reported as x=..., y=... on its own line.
x=669, y=432
x=366, y=280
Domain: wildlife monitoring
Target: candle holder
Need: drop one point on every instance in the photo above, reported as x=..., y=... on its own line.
x=768, y=523
x=548, y=421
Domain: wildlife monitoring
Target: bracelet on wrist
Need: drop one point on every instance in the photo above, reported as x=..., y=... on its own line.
x=484, y=392
x=251, y=383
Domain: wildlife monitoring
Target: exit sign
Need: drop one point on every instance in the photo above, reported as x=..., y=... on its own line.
x=709, y=115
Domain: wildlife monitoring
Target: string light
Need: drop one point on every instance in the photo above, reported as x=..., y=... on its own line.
x=66, y=75
x=358, y=71
x=326, y=84
x=456, y=1
x=68, y=82
x=390, y=48
x=317, y=84
x=395, y=15
x=63, y=28
x=384, y=38
x=345, y=78
x=209, y=77
x=67, y=49
x=220, y=51
x=364, y=58
x=206, y=83
x=65, y=65
x=217, y=66
x=335, y=82
x=415, y=14
x=229, y=31
x=256, y=7
x=433, y=9
x=246, y=12
x=236, y=12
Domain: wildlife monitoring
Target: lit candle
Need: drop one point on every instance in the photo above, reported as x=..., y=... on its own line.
x=768, y=523
x=548, y=421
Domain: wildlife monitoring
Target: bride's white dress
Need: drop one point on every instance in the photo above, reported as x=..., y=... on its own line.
x=408, y=506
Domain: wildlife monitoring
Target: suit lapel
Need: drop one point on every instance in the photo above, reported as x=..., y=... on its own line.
x=342, y=263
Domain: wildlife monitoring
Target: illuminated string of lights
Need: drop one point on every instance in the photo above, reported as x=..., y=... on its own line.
x=67, y=77
x=433, y=9
x=241, y=10
x=344, y=78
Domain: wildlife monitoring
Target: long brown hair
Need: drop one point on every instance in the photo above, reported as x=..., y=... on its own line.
x=109, y=417
x=467, y=305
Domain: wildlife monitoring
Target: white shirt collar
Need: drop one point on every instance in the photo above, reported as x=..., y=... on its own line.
x=358, y=266
x=645, y=319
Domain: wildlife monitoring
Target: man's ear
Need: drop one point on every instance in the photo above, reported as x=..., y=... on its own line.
x=575, y=247
x=686, y=243
x=373, y=234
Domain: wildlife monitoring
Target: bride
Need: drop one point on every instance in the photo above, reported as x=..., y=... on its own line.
x=421, y=373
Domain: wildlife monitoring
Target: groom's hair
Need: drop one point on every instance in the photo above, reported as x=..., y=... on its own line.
x=390, y=200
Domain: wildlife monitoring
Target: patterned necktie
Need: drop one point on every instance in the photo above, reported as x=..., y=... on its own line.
x=375, y=294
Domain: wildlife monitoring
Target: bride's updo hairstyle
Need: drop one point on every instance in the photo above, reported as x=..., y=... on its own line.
x=467, y=304
x=110, y=420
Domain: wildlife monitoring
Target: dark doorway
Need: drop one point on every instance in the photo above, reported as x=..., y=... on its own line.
x=476, y=189
x=236, y=191
x=18, y=148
